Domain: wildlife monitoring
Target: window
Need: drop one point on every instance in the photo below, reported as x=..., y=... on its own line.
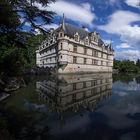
x=76, y=38
x=85, y=60
x=94, y=91
x=61, y=46
x=85, y=51
x=95, y=62
x=107, y=57
x=95, y=39
x=74, y=59
x=102, y=55
x=84, y=85
x=107, y=64
x=86, y=41
x=94, y=83
x=74, y=97
x=92, y=52
x=96, y=54
x=102, y=63
x=61, y=34
x=75, y=48
x=74, y=86
x=61, y=56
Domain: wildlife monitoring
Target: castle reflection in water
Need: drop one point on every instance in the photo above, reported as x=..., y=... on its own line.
x=75, y=92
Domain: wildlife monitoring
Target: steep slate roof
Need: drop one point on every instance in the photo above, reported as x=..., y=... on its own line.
x=71, y=30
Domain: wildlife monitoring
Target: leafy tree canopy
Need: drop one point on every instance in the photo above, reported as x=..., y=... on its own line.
x=126, y=65
x=15, y=13
x=17, y=48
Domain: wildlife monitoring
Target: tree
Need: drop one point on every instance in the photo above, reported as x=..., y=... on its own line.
x=15, y=13
x=14, y=42
x=138, y=63
x=125, y=66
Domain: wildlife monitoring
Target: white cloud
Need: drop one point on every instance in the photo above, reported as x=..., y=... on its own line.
x=107, y=41
x=81, y=13
x=120, y=23
x=54, y=26
x=46, y=27
x=86, y=6
x=123, y=46
x=128, y=54
x=133, y=3
x=37, y=32
x=122, y=93
x=119, y=20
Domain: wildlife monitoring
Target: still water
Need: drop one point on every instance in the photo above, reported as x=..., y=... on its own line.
x=73, y=107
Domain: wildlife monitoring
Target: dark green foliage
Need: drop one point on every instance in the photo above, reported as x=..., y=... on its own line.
x=138, y=63
x=29, y=53
x=126, y=66
x=17, y=48
x=13, y=59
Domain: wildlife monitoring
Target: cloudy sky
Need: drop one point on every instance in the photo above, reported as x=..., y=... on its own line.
x=116, y=20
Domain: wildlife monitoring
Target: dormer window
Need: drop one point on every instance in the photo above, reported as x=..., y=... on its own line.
x=76, y=38
x=96, y=39
x=86, y=41
x=61, y=34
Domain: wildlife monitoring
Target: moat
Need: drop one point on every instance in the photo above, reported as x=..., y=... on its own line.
x=78, y=107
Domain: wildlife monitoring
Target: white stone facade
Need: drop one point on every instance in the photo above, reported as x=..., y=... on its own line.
x=72, y=50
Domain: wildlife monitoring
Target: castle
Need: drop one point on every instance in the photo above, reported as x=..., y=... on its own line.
x=70, y=49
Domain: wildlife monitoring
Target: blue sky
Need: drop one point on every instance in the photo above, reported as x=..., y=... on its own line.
x=116, y=20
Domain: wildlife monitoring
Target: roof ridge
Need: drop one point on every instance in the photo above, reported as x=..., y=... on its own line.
x=77, y=27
